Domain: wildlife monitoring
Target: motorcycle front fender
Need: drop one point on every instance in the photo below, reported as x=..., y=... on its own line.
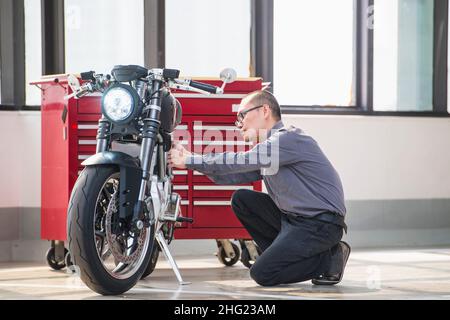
x=130, y=177
x=112, y=157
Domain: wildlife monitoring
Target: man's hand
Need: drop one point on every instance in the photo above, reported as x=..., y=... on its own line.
x=177, y=156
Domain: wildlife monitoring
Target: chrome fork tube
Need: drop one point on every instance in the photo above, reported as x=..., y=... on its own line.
x=103, y=134
x=161, y=159
x=149, y=137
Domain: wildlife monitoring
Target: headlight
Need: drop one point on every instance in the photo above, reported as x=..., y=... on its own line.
x=178, y=113
x=120, y=103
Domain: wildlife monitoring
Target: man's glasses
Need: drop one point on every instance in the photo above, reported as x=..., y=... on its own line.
x=241, y=115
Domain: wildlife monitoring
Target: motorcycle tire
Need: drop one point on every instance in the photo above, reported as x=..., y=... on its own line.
x=81, y=237
x=152, y=263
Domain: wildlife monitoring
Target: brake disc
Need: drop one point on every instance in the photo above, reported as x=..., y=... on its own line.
x=118, y=244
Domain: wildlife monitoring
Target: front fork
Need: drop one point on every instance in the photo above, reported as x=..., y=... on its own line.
x=150, y=129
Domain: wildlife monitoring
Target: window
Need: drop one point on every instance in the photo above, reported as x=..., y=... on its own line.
x=313, y=52
x=33, y=51
x=403, y=55
x=103, y=33
x=205, y=36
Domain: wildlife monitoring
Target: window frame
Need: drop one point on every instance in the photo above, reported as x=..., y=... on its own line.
x=12, y=55
x=261, y=46
x=262, y=39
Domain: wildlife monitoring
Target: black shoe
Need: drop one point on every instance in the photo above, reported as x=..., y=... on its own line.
x=338, y=261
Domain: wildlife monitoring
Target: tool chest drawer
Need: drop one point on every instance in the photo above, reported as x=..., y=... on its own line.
x=214, y=213
x=217, y=191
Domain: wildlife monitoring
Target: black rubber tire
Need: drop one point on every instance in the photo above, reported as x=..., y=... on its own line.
x=222, y=256
x=245, y=256
x=55, y=265
x=80, y=234
x=153, y=260
x=68, y=261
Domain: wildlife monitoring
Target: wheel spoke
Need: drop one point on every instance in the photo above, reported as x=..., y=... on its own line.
x=106, y=254
x=120, y=267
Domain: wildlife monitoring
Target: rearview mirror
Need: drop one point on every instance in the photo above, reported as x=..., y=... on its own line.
x=73, y=82
x=228, y=75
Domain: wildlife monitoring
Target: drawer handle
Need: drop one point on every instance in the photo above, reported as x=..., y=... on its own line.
x=87, y=142
x=221, y=143
x=84, y=156
x=180, y=187
x=222, y=187
x=196, y=173
x=226, y=128
x=235, y=107
x=87, y=126
x=180, y=172
x=212, y=203
x=184, y=202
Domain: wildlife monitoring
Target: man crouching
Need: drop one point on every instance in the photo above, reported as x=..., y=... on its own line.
x=299, y=223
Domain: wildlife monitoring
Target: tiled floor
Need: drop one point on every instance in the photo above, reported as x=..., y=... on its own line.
x=374, y=274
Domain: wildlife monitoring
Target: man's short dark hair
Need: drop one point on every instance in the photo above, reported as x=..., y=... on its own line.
x=260, y=97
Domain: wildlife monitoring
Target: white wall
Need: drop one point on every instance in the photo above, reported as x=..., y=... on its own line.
x=384, y=157
x=20, y=159
x=10, y=165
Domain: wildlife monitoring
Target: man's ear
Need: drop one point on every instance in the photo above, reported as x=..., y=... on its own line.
x=267, y=111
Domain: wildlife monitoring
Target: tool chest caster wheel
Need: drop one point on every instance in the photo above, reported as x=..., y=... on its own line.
x=250, y=252
x=51, y=259
x=227, y=257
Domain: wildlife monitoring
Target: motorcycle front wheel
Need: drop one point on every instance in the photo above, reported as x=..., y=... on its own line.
x=110, y=257
x=153, y=260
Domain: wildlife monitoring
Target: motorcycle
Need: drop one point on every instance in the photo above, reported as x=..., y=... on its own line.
x=122, y=209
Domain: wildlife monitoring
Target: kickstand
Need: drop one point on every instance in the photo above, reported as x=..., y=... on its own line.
x=165, y=249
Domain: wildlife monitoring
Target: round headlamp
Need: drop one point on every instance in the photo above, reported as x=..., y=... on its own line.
x=120, y=103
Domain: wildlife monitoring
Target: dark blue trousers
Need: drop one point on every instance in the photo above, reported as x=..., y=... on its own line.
x=295, y=249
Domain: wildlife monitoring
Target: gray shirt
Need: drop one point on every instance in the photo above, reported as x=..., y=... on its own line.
x=298, y=176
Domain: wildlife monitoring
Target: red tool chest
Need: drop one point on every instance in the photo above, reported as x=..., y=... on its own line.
x=69, y=131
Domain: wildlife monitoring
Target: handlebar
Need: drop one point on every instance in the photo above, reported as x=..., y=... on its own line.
x=99, y=82
x=204, y=86
x=190, y=85
x=84, y=89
